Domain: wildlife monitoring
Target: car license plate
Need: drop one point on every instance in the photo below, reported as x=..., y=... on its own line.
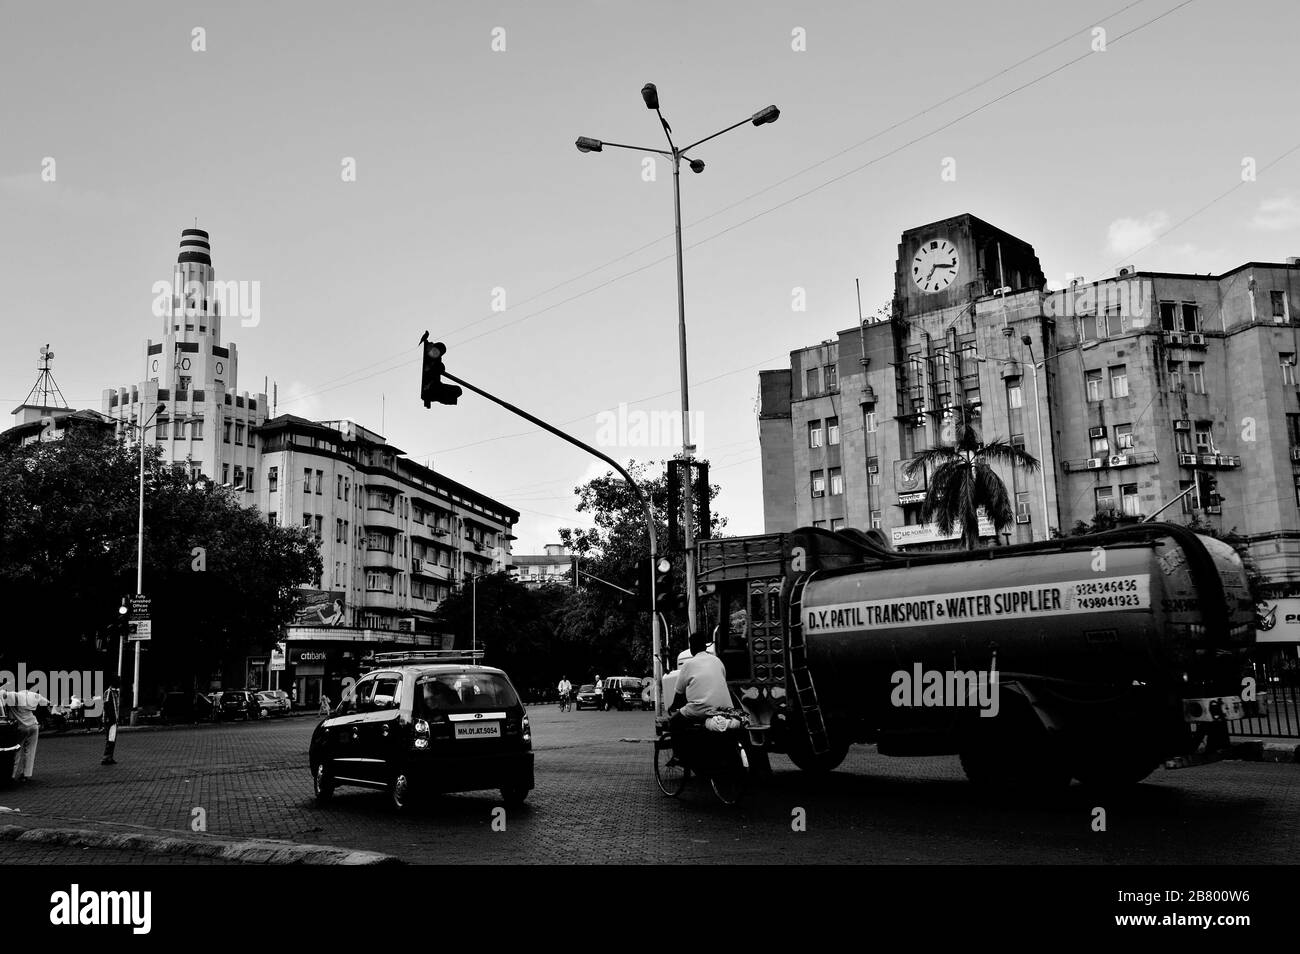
x=478, y=730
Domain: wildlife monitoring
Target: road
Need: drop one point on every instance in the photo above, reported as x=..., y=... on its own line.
x=596, y=802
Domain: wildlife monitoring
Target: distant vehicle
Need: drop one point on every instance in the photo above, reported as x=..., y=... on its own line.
x=186, y=707
x=271, y=701
x=625, y=692
x=233, y=703
x=589, y=698
x=430, y=721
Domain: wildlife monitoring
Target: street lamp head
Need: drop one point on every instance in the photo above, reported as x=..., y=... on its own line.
x=587, y=144
x=764, y=116
x=1025, y=339
x=650, y=95
x=697, y=165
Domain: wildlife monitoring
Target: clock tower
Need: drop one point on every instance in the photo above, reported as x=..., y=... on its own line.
x=955, y=260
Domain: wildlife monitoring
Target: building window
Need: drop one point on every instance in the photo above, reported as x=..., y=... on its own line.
x=379, y=541
x=818, y=483
x=812, y=381
x=1175, y=369
x=819, y=524
x=1297, y=489
x=338, y=487
x=346, y=482
x=320, y=476
x=873, y=473
x=1168, y=315
x=1293, y=429
x=196, y=429
x=1018, y=441
x=1287, y=360
x=378, y=500
x=239, y=433
x=1022, y=503
x=832, y=377
x=1128, y=495
x=225, y=431
x=306, y=480
x=338, y=530
x=814, y=433
x=1204, y=442
x=225, y=474
x=1124, y=438
x=1189, y=502
x=1100, y=446
x=875, y=520
x=1104, y=498
x=832, y=430
x=239, y=477
x=319, y=524
x=869, y=421
x=306, y=521
x=273, y=479
x=1093, y=382
x=272, y=519
x=1279, y=303
x=1119, y=381
x=837, y=523
x=1191, y=316
x=1196, y=374
x=1015, y=394
x=1116, y=324
x=379, y=582
x=248, y=480
x=837, y=482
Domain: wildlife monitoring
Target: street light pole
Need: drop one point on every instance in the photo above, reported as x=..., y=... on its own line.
x=650, y=95
x=139, y=563
x=1038, y=424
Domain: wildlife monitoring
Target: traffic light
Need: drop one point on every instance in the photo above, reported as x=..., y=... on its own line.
x=660, y=570
x=431, y=386
x=1207, y=489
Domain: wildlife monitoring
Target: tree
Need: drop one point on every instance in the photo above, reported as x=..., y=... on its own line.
x=222, y=580
x=963, y=483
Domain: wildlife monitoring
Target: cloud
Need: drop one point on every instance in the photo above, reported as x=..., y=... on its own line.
x=1127, y=235
x=1279, y=213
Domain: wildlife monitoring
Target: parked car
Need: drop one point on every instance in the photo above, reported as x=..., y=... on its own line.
x=422, y=724
x=180, y=707
x=589, y=698
x=234, y=703
x=272, y=701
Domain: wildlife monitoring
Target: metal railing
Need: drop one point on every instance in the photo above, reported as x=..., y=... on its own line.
x=1277, y=680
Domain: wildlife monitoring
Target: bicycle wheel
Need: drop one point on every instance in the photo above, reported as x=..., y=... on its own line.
x=670, y=775
x=730, y=781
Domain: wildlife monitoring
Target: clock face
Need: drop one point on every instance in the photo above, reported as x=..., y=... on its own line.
x=935, y=266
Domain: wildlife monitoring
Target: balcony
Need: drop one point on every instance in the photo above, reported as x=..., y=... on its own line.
x=381, y=560
x=382, y=519
x=430, y=569
x=377, y=600
x=1112, y=461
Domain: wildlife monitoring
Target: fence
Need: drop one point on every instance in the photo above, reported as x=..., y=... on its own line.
x=1277, y=678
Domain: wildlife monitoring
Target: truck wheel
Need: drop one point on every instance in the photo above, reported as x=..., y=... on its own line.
x=1117, y=769
x=828, y=761
x=1012, y=752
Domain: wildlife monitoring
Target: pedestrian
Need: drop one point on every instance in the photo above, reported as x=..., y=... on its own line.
x=293, y=695
x=324, y=704
x=112, y=715
x=19, y=707
x=600, y=692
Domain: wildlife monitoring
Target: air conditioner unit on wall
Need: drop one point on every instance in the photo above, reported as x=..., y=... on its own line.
x=1187, y=459
x=1173, y=337
x=1094, y=463
x=1118, y=460
x=1182, y=425
x=1096, y=432
x=1022, y=518
x=1295, y=453
x=1195, y=339
x=1128, y=271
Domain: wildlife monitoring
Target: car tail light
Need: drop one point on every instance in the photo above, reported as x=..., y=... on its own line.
x=421, y=734
x=528, y=733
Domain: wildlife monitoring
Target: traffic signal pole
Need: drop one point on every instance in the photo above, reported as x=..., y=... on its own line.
x=656, y=641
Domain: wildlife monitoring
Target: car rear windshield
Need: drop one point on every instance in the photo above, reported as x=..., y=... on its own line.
x=630, y=684
x=587, y=688
x=464, y=692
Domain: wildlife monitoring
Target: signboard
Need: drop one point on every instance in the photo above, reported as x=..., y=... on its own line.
x=929, y=533
x=277, y=661
x=141, y=629
x=1279, y=621
x=139, y=607
x=905, y=484
x=904, y=499
x=319, y=608
x=1035, y=600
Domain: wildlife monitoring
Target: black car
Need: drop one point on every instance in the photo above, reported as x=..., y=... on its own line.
x=624, y=692
x=431, y=721
x=236, y=703
x=589, y=698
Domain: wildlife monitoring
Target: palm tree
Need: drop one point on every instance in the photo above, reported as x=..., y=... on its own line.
x=963, y=483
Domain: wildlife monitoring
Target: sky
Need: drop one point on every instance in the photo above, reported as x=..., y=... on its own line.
x=1104, y=133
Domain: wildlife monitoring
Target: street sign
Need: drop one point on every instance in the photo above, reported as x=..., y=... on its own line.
x=277, y=661
x=141, y=629
x=139, y=607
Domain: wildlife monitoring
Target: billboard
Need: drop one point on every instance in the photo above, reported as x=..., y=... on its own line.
x=929, y=533
x=1279, y=621
x=320, y=608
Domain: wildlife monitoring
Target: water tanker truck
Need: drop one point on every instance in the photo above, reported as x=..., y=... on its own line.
x=1096, y=657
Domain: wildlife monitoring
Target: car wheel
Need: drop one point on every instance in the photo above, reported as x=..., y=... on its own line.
x=399, y=792
x=265, y=714
x=322, y=782
x=514, y=795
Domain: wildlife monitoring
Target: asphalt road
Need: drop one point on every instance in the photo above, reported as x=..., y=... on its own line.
x=596, y=802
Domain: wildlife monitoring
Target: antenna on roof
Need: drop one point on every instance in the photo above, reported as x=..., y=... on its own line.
x=45, y=389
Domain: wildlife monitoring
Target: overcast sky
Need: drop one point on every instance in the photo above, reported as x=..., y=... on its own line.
x=467, y=181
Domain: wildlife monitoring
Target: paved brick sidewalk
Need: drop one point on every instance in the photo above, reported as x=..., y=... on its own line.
x=597, y=802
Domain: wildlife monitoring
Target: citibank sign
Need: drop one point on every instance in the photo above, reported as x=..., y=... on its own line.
x=311, y=656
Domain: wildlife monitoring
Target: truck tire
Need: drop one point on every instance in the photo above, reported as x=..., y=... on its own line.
x=805, y=759
x=1012, y=752
x=1119, y=768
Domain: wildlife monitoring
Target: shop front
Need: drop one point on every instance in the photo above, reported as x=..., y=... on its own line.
x=324, y=661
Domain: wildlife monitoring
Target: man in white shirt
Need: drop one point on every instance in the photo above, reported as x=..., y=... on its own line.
x=701, y=685
x=565, y=688
x=21, y=705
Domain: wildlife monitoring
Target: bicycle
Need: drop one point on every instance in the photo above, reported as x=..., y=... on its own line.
x=566, y=702
x=720, y=757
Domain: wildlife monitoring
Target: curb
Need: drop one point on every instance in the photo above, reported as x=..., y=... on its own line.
x=1257, y=750
x=257, y=851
